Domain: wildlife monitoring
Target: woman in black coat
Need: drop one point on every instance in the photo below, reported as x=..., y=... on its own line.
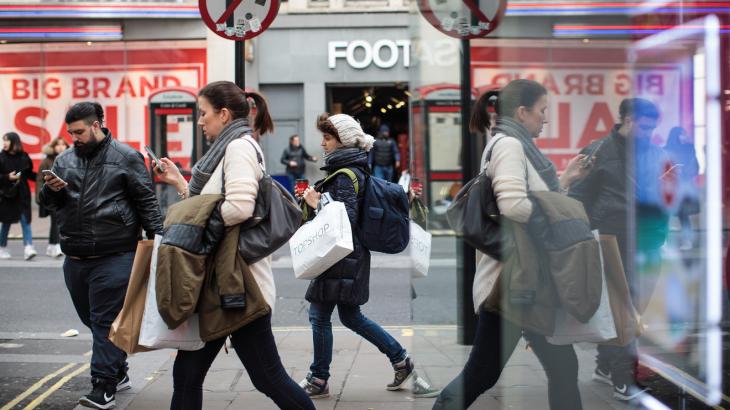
x=345, y=284
x=51, y=151
x=16, y=169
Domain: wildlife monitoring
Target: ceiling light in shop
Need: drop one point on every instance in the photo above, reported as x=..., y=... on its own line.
x=368, y=98
x=367, y=104
x=383, y=110
x=390, y=107
x=88, y=43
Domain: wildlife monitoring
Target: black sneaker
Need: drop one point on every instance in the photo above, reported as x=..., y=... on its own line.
x=602, y=376
x=315, y=388
x=403, y=373
x=101, y=397
x=124, y=382
x=627, y=392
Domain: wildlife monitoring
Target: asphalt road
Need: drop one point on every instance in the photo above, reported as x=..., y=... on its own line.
x=35, y=309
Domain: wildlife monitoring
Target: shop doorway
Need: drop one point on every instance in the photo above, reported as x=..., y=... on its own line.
x=375, y=105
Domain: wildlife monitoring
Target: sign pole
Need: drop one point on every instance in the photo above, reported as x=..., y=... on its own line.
x=466, y=320
x=240, y=66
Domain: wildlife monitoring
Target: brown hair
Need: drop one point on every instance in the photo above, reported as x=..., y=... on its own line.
x=225, y=94
x=480, y=119
x=56, y=141
x=325, y=126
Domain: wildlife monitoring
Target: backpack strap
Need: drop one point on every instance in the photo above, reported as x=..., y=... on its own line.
x=348, y=172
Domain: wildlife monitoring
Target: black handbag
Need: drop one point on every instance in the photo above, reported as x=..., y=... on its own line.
x=276, y=216
x=474, y=214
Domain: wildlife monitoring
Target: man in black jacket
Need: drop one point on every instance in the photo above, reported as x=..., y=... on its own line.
x=626, y=173
x=102, y=195
x=293, y=158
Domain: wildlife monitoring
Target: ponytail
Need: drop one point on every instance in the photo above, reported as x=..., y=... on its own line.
x=262, y=122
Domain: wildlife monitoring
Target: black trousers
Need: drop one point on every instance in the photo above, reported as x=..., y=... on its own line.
x=53, y=232
x=255, y=347
x=97, y=287
x=494, y=343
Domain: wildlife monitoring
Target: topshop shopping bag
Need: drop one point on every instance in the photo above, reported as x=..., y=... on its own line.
x=319, y=244
x=599, y=328
x=154, y=333
x=419, y=250
x=125, y=329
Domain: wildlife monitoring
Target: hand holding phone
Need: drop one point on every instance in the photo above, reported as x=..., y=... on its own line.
x=53, y=181
x=158, y=164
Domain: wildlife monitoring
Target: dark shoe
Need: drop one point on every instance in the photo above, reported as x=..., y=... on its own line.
x=124, y=382
x=602, y=376
x=627, y=392
x=315, y=388
x=101, y=397
x=403, y=373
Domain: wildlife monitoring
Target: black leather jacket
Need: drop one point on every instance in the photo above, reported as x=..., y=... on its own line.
x=108, y=198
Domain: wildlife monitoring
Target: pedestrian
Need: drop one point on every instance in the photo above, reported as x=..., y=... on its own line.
x=681, y=150
x=516, y=167
x=51, y=151
x=627, y=167
x=345, y=285
x=384, y=157
x=293, y=158
x=102, y=195
x=224, y=118
x=16, y=168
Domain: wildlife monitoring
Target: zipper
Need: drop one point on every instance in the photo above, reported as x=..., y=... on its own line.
x=82, y=192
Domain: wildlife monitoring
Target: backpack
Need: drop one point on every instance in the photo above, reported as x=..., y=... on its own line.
x=383, y=222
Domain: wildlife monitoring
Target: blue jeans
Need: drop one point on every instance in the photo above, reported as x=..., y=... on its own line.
x=27, y=232
x=382, y=172
x=320, y=315
x=97, y=287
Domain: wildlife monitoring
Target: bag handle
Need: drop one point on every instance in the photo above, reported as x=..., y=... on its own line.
x=346, y=171
x=258, y=157
x=487, y=156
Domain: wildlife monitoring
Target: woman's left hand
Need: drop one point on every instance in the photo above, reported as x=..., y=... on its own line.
x=311, y=197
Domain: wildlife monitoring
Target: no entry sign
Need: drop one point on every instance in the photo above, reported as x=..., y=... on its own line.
x=463, y=18
x=238, y=19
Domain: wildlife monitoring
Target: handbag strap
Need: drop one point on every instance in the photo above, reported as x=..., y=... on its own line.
x=347, y=171
x=487, y=156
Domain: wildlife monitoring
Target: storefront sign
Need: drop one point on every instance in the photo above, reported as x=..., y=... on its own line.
x=463, y=18
x=36, y=96
x=238, y=19
x=361, y=54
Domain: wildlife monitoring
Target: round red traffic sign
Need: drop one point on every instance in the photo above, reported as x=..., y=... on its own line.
x=238, y=19
x=455, y=17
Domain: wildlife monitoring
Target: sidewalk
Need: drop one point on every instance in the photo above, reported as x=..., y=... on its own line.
x=360, y=373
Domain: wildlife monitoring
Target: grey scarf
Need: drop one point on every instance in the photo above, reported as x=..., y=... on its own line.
x=539, y=161
x=204, y=168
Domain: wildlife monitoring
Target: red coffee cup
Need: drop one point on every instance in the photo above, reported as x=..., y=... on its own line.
x=416, y=185
x=300, y=186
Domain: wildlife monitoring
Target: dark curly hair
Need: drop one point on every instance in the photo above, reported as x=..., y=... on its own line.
x=325, y=126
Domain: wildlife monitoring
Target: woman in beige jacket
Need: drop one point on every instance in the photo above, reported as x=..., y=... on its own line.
x=224, y=112
x=516, y=166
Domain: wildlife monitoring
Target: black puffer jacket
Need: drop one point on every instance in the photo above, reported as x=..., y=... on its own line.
x=12, y=208
x=348, y=280
x=108, y=198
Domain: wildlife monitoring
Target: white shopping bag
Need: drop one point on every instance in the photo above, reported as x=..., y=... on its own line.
x=321, y=243
x=154, y=332
x=600, y=328
x=419, y=250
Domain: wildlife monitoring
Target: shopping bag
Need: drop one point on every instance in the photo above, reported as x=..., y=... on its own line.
x=154, y=332
x=124, y=332
x=625, y=315
x=599, y=328
x=321, y=243
x=419, y=250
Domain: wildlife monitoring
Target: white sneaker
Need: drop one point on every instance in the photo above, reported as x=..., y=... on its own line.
x=57, y=252
x=50, y=250
x=29, y=252
x=4, y=254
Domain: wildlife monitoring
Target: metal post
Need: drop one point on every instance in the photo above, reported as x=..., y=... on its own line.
x=466, y=262
x=240, y=65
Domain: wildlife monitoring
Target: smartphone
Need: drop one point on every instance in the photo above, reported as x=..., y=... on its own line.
x=154, y=158
x=300, y=186
x=53, y=174
x=589, y=157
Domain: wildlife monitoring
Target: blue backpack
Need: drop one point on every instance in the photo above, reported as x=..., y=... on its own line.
x=384, y=223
